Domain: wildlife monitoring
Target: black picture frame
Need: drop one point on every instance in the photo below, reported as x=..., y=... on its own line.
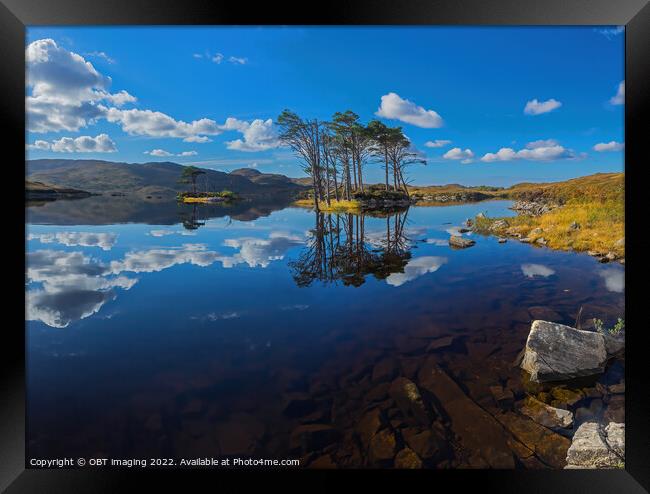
x=15, y=15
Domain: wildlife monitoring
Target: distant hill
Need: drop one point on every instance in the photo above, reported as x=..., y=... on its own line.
x=48, y=192
x=146, y=179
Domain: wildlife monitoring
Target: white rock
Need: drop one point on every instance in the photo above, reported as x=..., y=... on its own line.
x=555, y=352
x=597, y=446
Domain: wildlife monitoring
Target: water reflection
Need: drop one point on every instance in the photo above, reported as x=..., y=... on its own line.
x=614, y=277
x=533, y=270
x=72, y=286
x=340, y=249
x=105, y=241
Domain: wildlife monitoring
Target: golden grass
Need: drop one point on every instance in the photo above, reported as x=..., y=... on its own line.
x=190, y=200
x=601, y=226
x=341, y=206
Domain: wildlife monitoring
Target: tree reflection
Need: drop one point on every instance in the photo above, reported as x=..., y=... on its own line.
x=193, y=222
x=339, y=249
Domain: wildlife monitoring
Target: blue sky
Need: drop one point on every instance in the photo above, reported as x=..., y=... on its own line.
x=496, y=105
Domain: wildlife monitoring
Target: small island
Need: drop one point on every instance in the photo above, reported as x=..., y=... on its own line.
x=189, y=176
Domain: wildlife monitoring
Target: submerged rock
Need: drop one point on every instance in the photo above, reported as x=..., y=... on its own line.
x=550, y=447
x=456, y=241
x=477, y=430
x=407, y=459
x=597, y=446
x=546, y=415
x=312, y=437
x=407, y=396
x=555, y=352
x=426, y=444
x=382, y=446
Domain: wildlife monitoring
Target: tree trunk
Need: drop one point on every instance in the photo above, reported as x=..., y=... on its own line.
x=386, y=161
x=336, y=185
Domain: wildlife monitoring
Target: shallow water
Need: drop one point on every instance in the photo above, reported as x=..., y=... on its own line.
x=221, y=336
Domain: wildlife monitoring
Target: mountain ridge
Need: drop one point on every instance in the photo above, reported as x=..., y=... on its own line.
x=163, y=177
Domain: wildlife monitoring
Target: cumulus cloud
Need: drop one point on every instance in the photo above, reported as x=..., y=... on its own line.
x=259, y=135
x=161, y=153
x=72, y=287
x=609, y=146
x=465, y=156
x=614, y=278
x=259, y=251
x=157, y=124
x=541, y=150
x=396, y=108
x=66, y=89
x=416, y=268
x=619, y=97
x=105, y=241
x=238, y=60
x=154, y=260
x=534, y=270
x=197, y=139
x=217, y=58
x=535, y=107
x=101, y=143
x=158, y=153
x=438, y=143
x=39, y=144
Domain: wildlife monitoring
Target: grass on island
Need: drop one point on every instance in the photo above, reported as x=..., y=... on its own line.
x=340, y=206
x=590, y=216
x=206, y=197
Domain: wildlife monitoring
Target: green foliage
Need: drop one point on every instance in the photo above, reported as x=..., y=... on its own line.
x=615, y=330
x=225, y=194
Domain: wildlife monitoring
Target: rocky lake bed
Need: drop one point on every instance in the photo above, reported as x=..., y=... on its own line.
x=456, y=353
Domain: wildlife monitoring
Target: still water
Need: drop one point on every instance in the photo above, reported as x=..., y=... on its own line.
x=275, y=333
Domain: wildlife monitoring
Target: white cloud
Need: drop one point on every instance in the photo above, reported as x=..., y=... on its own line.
x=541, y=150
x=416, y=268
x=503, y=154
x=259, y=251
x=217, y=58
x=158, y=152
x=65, y=89
x=161, y=153
x=158, y=124
x=102, y=55
x=438, y=143
x=259, y=135
x=238, y=60
x=533, y=270
x=73, y=287
x=83, y=144
x=459, y=154
x=197, y=139
x=610, y=33
x=121, y=98
x=614, y=279
x=197, y=55
x=154, y=260
x=609, y=146
x=39, y=144
x=395, y=108
x=619, y=97
x=535, y=107
x=105, y=241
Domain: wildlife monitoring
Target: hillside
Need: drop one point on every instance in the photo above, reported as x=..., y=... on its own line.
x=582, y=214
x=106, y=177
x=47, y=192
